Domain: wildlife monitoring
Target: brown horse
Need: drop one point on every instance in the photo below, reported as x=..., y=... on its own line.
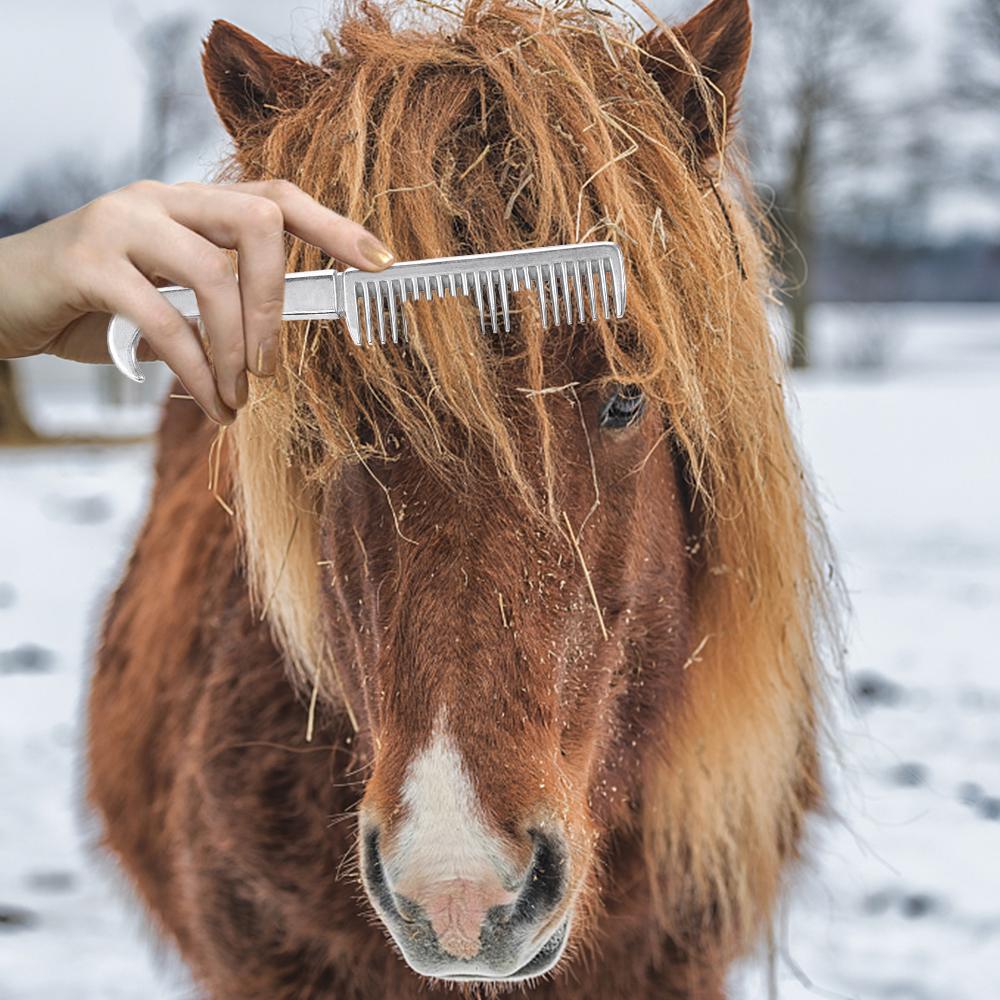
x=506, y=648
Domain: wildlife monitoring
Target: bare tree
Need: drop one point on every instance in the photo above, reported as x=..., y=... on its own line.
x=178, y=116
x=976, y=59
x=15, y=428
x=975, y=76
x=815, y=111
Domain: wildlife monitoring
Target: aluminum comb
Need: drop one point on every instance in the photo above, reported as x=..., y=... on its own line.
x=570, y=282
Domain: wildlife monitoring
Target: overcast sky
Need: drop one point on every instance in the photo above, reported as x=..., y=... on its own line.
x=71, y=78
x=72, y=81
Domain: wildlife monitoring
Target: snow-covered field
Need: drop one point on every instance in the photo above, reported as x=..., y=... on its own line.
x=901, y=424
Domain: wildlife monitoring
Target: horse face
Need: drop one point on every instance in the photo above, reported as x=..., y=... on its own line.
x=505, y=675
x=512, y=681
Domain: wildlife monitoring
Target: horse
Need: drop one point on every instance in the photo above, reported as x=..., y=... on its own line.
x=495, y=660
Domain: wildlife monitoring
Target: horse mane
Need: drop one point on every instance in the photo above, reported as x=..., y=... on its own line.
x=506, y=124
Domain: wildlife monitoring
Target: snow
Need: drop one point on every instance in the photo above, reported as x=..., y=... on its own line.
x=905, y=901
x=901, y=895
x=68, y=515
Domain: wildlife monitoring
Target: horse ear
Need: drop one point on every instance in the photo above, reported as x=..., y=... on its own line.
x=248, y=81
x=718, y=40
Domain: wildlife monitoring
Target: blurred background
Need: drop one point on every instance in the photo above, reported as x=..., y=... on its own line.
x=874, y=129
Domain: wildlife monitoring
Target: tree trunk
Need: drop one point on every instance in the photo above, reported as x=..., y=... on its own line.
x=798, y=236
x=15, y=428
x=798, y=309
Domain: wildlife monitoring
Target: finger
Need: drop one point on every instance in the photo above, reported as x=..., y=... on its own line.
x=189, y=259
x=86, y=340
x=306, y=218
x=254, y=226
x=144, y=352
x=169, y=335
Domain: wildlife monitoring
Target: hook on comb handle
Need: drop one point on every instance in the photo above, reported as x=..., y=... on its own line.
x=123, y=334
x=308, y=295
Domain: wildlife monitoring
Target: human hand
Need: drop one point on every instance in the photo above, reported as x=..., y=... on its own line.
x=61, y=281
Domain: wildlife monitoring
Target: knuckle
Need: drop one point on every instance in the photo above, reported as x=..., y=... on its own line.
x=263, y=215
x=215, y=268
x=271, y=304
x=163, y=327
x=266, y=313
x=107, y=219
x=279, y=189
x=96, y=215
x=145, y=189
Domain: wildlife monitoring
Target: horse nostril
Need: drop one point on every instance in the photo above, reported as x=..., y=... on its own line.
x=378, y=884
x=374, y=873
x=372, y=858
x=545, y=885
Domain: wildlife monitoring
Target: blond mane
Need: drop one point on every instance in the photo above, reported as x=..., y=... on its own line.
x=507, y=124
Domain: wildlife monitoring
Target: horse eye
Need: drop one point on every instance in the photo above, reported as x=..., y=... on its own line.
x=623, y=408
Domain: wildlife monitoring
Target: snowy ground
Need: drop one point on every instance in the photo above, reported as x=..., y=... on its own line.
x=901, y=426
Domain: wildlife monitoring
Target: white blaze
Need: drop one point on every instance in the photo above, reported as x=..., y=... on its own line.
x=444, y=835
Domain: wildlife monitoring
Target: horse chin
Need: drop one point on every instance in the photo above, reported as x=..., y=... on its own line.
x=544, y=960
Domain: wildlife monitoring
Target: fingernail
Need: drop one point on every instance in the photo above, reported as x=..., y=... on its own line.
x=242, y=389
x=265, y=359
x=374, y=251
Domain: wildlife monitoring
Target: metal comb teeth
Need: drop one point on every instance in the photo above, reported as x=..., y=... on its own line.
x=570, y=283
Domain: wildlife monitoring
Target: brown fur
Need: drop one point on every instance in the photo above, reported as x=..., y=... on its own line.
x=405, y=521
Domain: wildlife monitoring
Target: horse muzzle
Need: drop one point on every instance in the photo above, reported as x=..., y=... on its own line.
x=475, y=926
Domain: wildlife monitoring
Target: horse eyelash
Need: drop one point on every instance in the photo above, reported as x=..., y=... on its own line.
x=625, y=406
